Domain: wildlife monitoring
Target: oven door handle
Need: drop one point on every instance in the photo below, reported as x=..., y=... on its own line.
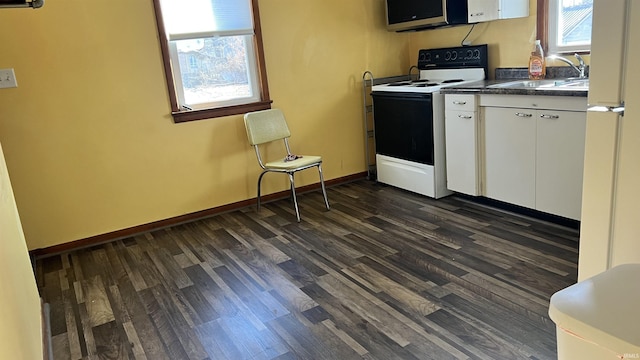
x=401, y=95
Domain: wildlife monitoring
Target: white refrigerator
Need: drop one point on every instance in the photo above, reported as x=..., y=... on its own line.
x=598, y=318
x=610, y=227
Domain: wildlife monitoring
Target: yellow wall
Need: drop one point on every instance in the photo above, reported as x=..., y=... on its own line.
x=510, y=41
x=20, y=328
x=87, y=136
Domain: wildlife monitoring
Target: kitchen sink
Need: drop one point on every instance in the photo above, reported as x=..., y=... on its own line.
x=528, y=84
x=546, y=84
x=576, y=83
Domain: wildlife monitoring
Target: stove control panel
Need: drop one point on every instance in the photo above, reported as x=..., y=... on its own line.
x=456, y=57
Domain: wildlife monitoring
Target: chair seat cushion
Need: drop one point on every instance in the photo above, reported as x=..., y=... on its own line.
x=299, y=162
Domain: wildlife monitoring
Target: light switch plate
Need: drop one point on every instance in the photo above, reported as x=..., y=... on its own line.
x=7, y=79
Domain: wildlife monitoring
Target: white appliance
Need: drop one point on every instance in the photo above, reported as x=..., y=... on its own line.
x=403, y=15
x=610, y=227
x=431, y=81
x=596, y=319
x=409, y=119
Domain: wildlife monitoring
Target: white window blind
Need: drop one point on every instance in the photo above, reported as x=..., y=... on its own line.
x=189, y=19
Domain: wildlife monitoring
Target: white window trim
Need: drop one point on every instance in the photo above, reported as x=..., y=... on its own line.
x=252, y=65
x=552, y=41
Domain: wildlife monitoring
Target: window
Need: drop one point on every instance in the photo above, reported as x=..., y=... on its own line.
x=564, y=26
x=213, y=57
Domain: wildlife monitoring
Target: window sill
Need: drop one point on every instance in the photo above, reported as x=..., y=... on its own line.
x=571, y=52
x=193, y=115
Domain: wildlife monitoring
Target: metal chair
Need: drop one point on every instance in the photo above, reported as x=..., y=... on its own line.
x=270, y=125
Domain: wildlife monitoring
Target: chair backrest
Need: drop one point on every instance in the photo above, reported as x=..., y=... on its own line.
x=265, y=126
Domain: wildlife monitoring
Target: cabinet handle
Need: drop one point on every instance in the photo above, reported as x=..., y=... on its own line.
x=524, y=115
x=460, y=103
x=465, y=116
x=546, y=116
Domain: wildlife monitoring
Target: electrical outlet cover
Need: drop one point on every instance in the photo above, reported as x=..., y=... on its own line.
x=7, y=78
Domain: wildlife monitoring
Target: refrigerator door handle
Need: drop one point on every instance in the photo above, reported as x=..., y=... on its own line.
x=615, y=109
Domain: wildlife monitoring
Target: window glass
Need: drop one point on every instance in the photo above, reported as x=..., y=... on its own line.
x=570, y=25
x=216, y=70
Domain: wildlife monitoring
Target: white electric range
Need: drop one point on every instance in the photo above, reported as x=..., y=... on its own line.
x=409, y=119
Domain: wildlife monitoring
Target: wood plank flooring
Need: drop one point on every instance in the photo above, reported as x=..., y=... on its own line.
x=385, y=274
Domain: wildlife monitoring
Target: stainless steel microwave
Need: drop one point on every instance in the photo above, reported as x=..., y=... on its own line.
x=404, y=15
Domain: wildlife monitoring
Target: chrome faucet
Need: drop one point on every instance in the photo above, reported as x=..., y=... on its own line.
x=581, y=65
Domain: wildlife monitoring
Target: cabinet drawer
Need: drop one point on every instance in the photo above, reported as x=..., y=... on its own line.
x=568, y=103
x=460, y=102
x=462, y=115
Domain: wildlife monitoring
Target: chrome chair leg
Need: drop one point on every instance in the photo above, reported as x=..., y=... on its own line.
x=260, y=181
x=324, y=190
x=293, y=195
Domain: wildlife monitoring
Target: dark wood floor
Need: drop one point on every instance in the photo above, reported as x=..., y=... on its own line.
x=384, y=275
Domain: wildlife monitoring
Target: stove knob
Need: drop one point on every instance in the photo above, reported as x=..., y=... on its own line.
x=422, y=57
x=469, y=54
x=447, y=56
x=454, y=55
x=476, y=54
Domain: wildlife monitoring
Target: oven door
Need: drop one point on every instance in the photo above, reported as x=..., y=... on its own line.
x=404, y=125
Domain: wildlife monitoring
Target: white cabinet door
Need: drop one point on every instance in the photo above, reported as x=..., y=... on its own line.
x=560, y=162
x=482, y=10
x=509, y=9
x=487, y=10
x=461, y=138
x=510, y=155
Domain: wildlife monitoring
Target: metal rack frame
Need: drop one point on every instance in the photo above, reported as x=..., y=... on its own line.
x=368, y=80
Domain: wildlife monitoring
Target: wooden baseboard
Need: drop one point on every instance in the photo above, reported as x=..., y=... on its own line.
x=128, y=232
